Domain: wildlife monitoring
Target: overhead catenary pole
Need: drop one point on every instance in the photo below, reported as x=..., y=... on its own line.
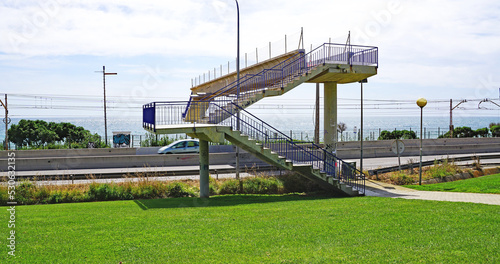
x=316, y=120
x=104, y=73
x=451, y=118
x=361, y=131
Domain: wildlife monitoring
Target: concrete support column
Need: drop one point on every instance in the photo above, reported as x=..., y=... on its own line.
x=330, y=116
x=204, y=169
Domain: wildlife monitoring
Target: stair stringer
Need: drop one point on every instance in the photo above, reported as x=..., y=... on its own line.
x=267, y=155
x=252, y=146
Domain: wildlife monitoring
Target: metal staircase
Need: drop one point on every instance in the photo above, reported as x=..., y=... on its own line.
x=262, y=140
x=221, y=115
x=308, y=159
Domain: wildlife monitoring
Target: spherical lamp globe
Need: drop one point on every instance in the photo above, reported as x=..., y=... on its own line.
x=421, y=102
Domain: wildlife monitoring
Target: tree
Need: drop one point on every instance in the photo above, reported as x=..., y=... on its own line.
x=31, y=133
x=384, y=135
x=38, y=133
x=467, y=132
x=493, y=124
x=341, y=127
x=463, y=132
x=482, y=132
x=397, y=134
x=495, y=131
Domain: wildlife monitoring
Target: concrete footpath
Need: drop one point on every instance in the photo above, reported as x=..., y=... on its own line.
x=380, y=189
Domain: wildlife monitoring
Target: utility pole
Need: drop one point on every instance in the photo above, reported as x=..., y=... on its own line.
x=316, y=121
x=6, y=121
x=104, y=73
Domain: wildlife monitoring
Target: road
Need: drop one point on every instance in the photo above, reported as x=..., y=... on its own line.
x=192, y=172
x=376, y=163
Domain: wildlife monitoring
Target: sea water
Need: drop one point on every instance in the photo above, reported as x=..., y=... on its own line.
x=299, y=126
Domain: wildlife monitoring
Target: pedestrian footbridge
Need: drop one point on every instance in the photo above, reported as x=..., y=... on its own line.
x=216, y=111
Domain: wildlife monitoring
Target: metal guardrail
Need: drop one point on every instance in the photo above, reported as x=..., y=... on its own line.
x=432, y=162
x=170, y=113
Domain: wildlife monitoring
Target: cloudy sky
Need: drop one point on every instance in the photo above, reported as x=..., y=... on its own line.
x=50, y=49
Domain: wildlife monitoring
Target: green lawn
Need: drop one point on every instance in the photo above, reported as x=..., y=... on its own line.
x=484, y=184
x=257, y=229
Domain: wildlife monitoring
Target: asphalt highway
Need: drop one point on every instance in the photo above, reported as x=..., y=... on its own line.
x=192, y=172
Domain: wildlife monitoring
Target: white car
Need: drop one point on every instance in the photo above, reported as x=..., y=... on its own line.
x=181, y=146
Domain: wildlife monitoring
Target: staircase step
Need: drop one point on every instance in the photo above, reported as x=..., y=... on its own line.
x=258, y=148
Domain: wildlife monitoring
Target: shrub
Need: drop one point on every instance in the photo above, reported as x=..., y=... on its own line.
x=467, y=132
x=99, y=192
x=25, y=191
x=495, y=131
x=401, y=178
x=482, y=132
x=262, y=185
x=213, y=186
x=441, y=170
x=178, y=189
x=463, y=132
x=493, y=124
x=151, y=140
x=29, y=193
x=57, y=197
x=230, y=187
x=397, y=134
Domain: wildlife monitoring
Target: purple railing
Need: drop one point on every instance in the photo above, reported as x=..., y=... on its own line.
x=284, y=72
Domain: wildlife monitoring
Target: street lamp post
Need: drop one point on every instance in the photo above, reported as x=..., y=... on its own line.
x=238, y=87
x=104, y=73
x=421, y=102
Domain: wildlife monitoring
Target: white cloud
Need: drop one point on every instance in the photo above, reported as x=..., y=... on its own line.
x=448, y=44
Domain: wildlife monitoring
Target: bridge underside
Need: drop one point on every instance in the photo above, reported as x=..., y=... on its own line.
x=343, y=73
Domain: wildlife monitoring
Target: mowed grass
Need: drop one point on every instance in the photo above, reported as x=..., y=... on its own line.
x=257, y=229
x=484, y=184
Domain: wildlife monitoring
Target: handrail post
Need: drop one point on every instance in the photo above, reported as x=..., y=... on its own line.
x=154, y=116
